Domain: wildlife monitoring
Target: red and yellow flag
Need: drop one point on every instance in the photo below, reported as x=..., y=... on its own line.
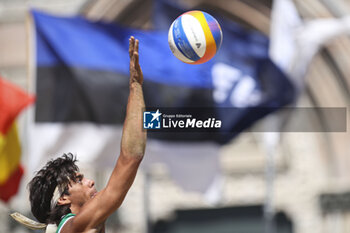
x=12, y=101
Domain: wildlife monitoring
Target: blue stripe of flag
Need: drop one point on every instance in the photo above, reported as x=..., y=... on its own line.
x=77, y=42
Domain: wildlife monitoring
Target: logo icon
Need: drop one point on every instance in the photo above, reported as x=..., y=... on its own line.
x=151, y=120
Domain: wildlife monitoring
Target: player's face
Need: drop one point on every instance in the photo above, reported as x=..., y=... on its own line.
x=81, y=190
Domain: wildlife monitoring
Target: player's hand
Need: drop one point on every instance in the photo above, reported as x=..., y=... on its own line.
x=135, y=69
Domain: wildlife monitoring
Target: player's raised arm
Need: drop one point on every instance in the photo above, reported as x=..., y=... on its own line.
x=134, y=137
x=133, y=143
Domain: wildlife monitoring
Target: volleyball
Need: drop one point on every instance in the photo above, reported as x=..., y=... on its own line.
x=195, y=37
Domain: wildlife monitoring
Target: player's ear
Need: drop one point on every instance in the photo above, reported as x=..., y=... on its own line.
x=64, y=200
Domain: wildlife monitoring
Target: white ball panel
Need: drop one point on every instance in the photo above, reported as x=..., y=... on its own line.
x=194, y=33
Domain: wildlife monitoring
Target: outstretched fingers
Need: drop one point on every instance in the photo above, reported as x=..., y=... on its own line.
x=131, y=46
x=136, y=49
x=135, y=69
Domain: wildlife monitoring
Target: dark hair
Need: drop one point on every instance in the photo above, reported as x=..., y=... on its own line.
x=58, y=172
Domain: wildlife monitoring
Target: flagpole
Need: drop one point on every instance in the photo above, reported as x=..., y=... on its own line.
x=25, y=138
x=31, y=73
x=269, y=203
x=29, y=89
x=270, y=139
x=146, y=199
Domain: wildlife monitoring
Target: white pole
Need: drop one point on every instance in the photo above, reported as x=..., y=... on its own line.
x=270, y=142
x=146, y=199
x=269, y=210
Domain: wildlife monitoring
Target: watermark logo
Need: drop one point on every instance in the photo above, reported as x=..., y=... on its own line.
x=152, y=120
x=171, y=120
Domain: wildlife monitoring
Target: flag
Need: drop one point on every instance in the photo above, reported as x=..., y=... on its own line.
x=82, y=90
x=295, y=42
x=12, y=101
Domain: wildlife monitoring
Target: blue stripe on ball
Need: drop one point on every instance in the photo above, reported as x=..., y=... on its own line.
x=181, y=41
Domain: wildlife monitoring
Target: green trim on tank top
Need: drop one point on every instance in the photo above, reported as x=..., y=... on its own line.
x=65, y=217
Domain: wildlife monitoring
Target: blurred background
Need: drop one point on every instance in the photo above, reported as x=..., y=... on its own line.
x=260, y=181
